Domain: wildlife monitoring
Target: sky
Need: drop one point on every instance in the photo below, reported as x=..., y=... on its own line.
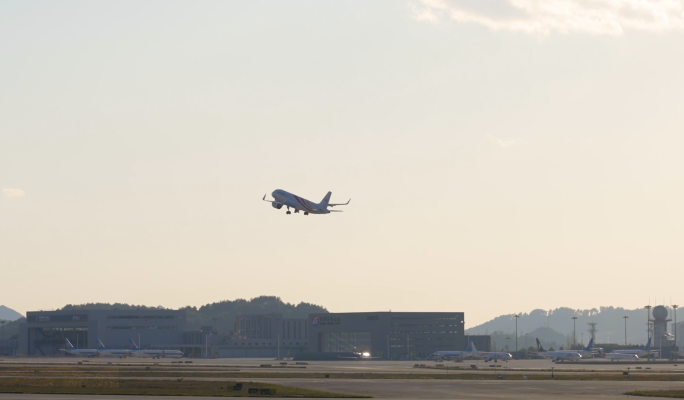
x=501, y=156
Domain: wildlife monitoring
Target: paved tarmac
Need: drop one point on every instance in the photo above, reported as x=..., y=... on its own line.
x=374, y=366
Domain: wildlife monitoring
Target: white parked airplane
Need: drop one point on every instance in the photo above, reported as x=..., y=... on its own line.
x=70, y=349
x=289, y=200
x=587, y=352
x=557, y=355
x=491, y=355
x=619, y=356
x=452, y=354
x=111, y=352
x=638, y=352
x=137, y=352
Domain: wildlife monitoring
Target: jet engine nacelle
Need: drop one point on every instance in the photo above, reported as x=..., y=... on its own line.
x=277, y=205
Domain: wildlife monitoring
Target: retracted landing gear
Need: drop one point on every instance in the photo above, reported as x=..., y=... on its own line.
x=296, y=211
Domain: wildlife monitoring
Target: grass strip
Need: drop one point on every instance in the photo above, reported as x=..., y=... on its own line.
x=178, y=387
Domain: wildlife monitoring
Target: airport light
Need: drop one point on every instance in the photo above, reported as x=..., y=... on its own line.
x=625, y=317
x=574, y=332
x=516, y=316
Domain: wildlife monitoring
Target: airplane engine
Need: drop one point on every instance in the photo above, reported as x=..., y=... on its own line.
x=277, y=205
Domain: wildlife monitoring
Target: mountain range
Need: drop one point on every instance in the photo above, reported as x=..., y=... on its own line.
x=8, y=314
x=610, y=324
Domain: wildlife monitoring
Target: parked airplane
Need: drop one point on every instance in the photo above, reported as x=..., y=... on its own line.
x=70, y=349
x=283, y=198
x=111, y=352
x=491, y=355
x=451, y=354
x=137, y=352
x=557, y=355
x=587, y=352
x=620, y=356
x=639, y=352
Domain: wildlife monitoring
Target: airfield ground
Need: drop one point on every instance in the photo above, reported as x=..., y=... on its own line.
x=521, y=379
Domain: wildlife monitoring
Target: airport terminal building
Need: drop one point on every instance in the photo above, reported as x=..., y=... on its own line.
x=387, y=335
x=44, y=331
x=382, y=335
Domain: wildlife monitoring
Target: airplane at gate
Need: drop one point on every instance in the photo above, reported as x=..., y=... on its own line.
x=282, y=198
x=70, y=349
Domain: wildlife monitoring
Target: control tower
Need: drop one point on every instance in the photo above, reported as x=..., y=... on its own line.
x=660, y=321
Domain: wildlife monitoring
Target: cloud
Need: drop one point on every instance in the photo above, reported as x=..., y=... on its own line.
x=10, y=192
x=596, y=17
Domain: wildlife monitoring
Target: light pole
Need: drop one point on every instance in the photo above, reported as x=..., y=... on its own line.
x=574, y=331
x=625, y=317
x=675, y=318
x=3, y=321
x=516, y=316
x=648, y=321
x=214, y=327
x=508, y=339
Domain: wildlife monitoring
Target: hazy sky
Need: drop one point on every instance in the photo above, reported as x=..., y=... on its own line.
x=501, y=155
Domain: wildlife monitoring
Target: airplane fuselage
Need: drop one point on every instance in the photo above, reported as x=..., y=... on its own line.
x=622, y=356
x=498, y=356
x=287, y=199
x=82, y=352
x=157, y=353
x=560, y=355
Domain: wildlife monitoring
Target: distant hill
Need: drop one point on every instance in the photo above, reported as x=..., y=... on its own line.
x=9, y=314
x=223, y=311
x=610, y=324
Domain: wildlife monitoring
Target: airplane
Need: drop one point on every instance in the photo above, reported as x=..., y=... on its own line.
x=620, y=356
x=287, y=199
x=491, y=355
x=111, y=352
x=137, y=352
x=557, y=355
x=639, y=352
x=70, y=349
x=451, y=354
x=587, y=352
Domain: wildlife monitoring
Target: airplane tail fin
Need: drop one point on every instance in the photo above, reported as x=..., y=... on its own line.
x=133, y=345
x=469, y=347
x=326, y=200
x=100, y=345
x=68, y=344
x=590, y=345
x=539, y=346
x=473, y=348
x=648, y=344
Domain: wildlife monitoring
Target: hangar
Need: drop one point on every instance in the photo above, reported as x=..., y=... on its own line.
x=44, y=331
x=387, y=335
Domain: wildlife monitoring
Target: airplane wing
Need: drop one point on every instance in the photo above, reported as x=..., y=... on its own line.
x=264, y=199
x=335, y=211
x=339, y=204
